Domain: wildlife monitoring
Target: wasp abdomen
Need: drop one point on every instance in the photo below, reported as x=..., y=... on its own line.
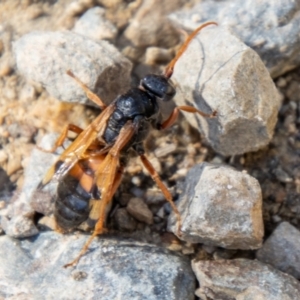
x=72, y=203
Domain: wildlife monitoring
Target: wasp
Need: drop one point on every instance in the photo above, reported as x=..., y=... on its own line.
x=90, y=170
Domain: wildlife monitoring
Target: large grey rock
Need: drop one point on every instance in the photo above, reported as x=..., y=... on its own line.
x=243, y=279
x=219, y=72
x=282, y=249
x=46, y=56
x=220, y=207
x=112, y=269
x=271, y=28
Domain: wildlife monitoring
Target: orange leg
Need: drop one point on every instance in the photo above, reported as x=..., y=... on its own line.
x=62, y=137
x=163, y=188
x=108, y=178
x=173, y=117
x=92, y=96
x=99, y=227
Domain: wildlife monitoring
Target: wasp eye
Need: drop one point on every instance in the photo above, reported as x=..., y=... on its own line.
x=159, y=85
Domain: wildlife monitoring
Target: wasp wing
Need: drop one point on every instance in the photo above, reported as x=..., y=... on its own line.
x=108, y=177
x=78, y=148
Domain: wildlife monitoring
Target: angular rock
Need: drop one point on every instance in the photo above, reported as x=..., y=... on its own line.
x=45, y=57
x=124, y=220
x=282, y=249
x=243, y=279
x=219, y=72
x=220, y=207
x=93, y=25
x=139, y=210
x=271, y=28
x=112, y=269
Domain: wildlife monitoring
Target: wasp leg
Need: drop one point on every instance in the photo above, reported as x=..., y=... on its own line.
x=92, y=96
x=173, y=117
x=99, y=227
x=163, y=188
x=108, y=178
x=59, y=142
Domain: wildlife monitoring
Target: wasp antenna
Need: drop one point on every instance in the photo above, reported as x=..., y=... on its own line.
x=170, y=67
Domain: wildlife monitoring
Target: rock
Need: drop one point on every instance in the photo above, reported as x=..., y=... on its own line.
x=17, y=218
x=220, y=207
x=93, y=25
x=219, y=72
x=270, y=28
x=155, y=55
x=19, y=226
x=282, y=175
x=112, y=269
x=45, y=57
x=282, y=249
x=243, y=279
x=124, y=220
x=140, y=211
x=6, y=186
x=143, y=31
x=41, y=200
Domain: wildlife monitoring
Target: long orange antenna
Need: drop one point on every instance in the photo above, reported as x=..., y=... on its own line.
x=170, y=67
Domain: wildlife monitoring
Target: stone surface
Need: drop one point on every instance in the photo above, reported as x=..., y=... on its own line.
x=219, y=72
x=271, y=28
x=124, y=220
x=112, y=269
x=282, y=249
x=41, y=200
x=45, y=57
x=220, y=207
x=6, y=186
x=17, y=218
x=19, y=226
x=139, y=210
x=243, y=279
x=143, y=31
x=93, y=25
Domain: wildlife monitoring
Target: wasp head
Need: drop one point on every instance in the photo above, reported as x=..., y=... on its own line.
x=159, y=86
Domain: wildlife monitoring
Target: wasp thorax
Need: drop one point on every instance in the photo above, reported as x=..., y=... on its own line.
x=159, y=86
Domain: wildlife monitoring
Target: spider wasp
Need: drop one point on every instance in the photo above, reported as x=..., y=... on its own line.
x=90, y=170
